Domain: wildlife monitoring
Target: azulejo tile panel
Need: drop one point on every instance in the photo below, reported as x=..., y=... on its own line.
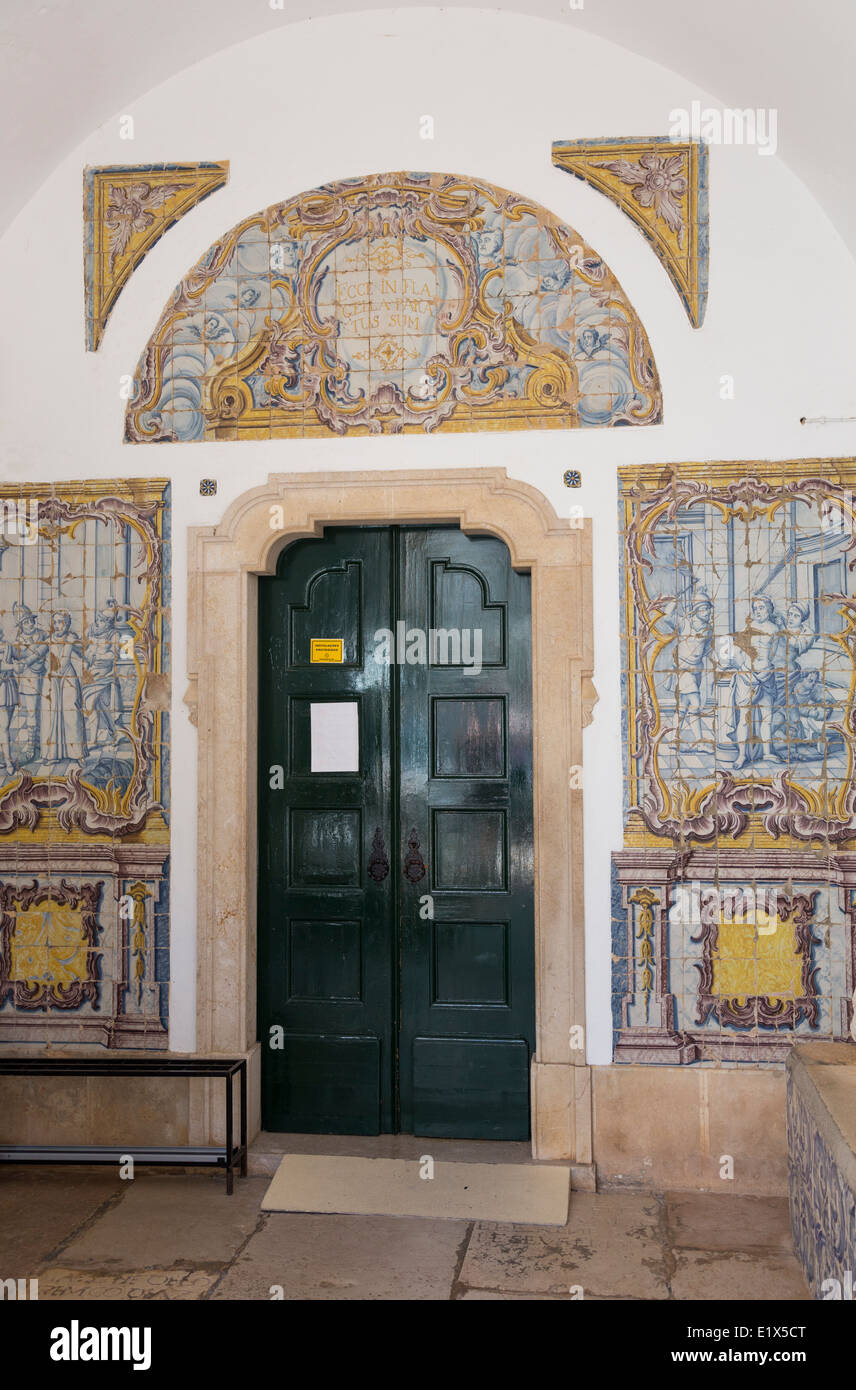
x=126, y=210
x=398, y=302
x=822, y=1199
x=84, y=762
x=734, y=896
x=661, y=185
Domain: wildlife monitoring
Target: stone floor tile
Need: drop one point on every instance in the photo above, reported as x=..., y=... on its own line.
x=41, y=1207
x=712, y=1274
x=491, y=1295
x=81, y=1285
x=714, y=1221
x=347, y=1257
x=611, y=1246
x=163, y=1220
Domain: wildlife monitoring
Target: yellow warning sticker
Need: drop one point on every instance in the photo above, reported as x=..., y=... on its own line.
x=326, y=649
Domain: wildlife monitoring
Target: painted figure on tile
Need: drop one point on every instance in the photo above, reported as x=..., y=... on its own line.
x=815, y=708
x=32, y=649
x=692, y=649
x=9, y=698
x=799, y=637
x=66, y=739
x=109, y=644
x=590, y=342
x=754, y=682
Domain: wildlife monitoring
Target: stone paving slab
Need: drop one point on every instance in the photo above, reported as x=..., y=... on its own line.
x=41, y=1207
x=347, y=1257
x=179, y=1236
x=164, y=1221
x=735, y=1276
x=491, y=1296
x=710, y=1221
x=612, y=1245
x=73, y=1285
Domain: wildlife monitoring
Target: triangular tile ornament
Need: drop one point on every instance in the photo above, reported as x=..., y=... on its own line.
x=662, y=186
x=126, y=209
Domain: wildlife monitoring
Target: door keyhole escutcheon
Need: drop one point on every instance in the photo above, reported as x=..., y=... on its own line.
x=414, y=864
x=378, y=862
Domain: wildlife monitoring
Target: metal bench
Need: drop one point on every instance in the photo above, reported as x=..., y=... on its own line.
x=228, y=1155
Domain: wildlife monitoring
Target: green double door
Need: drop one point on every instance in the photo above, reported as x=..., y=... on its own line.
x=396, y=936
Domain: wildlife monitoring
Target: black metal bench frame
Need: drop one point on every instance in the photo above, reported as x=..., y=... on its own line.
x=228, y=1155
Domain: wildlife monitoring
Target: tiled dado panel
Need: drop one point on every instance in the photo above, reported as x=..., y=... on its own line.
x=84, y=762
x=395, y=302
x=734, y=898
x=821, y=1090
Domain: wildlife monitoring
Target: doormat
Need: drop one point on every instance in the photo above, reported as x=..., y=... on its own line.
x=514, y=1192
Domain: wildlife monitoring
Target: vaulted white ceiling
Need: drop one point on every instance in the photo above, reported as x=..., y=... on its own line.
x=69, y=65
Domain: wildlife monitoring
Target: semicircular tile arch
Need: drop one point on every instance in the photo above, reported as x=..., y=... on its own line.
x=394, y=303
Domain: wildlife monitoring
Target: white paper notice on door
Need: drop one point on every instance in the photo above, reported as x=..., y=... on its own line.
x=335, y=736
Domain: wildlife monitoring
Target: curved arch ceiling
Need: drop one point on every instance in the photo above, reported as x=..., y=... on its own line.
x=68, y=67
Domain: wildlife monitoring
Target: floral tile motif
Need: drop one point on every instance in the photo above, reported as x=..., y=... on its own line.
x=734, y=901
x=126, y=209
x=662, y=186
x=84, y=774
x=394, y=303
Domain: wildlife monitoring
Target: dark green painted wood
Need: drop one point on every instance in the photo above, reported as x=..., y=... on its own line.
x=326, y=928
x=394, y=1019
x=467, y=1018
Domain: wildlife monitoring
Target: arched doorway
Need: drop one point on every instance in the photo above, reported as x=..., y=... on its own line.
x=224, y=563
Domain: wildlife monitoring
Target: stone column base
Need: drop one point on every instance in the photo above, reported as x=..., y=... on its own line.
x=561, y=1112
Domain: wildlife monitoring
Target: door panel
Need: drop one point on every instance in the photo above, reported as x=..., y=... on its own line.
x=467, y=976
x=391, y=1017
x=471, y=1088
x=326, y=924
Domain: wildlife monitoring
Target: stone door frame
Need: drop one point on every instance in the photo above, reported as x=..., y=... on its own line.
x=224, y=563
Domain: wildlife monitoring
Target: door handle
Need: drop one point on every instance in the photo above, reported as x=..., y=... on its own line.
x=414, y=864
x=378, y=861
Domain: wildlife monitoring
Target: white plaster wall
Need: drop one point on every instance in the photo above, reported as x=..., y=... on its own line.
x=334, y=98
